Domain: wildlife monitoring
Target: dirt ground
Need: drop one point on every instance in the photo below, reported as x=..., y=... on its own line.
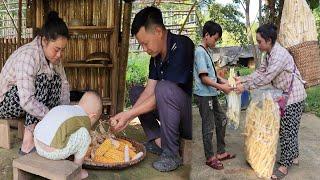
x=235, y=169
x=238, y=169
x=141, y=171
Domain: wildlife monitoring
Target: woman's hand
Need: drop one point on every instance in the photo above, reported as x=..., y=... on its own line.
x=238, y=80
x=239, y=88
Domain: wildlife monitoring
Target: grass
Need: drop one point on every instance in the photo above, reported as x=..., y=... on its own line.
x=313, y=100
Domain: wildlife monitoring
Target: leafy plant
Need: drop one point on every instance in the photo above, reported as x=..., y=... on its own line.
x=137, y=72
x=244, y=70
x=313, y=100
x=316, y=13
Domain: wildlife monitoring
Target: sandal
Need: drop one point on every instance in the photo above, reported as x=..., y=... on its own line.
x=228, y=156
x=214, y=163
x=21, y=153
x=278, y=174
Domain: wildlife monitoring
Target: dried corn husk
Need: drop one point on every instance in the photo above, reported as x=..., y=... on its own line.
x=234, y=103
x=261, y=136
x=297, y=23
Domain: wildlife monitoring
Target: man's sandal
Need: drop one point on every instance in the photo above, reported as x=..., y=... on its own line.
x=215, y=164
x=228, y=156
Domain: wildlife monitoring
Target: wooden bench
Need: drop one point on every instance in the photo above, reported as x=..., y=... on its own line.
x=186, y=151
x=32, y=163
x=5, y=140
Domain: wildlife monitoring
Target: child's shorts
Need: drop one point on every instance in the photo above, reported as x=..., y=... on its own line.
x=77, y=145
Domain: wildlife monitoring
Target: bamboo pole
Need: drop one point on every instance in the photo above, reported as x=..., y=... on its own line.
x=19, y=22
x=2, y=51
x=90, y=13
x=185, y=21
x=123, y=57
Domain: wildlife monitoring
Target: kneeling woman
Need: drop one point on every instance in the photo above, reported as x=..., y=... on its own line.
x=33, y=80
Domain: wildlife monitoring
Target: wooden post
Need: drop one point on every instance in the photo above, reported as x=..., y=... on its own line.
x=124, y=49
x=19, y=22
x=34, y=17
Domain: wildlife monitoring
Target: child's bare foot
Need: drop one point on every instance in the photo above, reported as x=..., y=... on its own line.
x=83, y=174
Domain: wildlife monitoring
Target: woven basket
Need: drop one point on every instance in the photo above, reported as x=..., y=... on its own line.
x=307, y=58
x=88, y=164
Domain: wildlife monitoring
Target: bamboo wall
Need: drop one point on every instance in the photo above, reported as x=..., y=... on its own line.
x=8, y=46
x=96, y=30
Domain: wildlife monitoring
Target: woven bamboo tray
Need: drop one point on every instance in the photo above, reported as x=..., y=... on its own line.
x=89, y=164
x=307, y=58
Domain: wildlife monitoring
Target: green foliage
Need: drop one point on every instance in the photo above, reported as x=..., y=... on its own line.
x=229, y=17
x=137, y=72
x=313, y=100
x=244, y=70
x=313, y=4
x=137, y=69
x=316, y=13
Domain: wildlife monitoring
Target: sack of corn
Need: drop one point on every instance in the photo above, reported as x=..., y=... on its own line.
x=234, y=103
x=261, y=135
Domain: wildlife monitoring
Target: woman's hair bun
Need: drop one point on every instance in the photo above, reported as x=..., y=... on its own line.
x=52, y=16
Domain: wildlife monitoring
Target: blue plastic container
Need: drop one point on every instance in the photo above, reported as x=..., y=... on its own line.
x=245, y=99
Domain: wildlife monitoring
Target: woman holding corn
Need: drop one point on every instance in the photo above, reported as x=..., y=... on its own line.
x=280, y=70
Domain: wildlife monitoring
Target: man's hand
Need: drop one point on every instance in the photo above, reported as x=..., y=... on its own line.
x=120, y=121
x=226, y=88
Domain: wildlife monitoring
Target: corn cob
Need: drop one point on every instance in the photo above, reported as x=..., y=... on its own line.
x=123, y=143
x=116, y=155
x=105, y=146
x=102, y=159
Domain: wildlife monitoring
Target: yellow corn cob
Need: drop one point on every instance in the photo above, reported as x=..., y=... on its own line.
x=102, y=159
x=116, y=155
x=104, y=147
x=123, y=143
